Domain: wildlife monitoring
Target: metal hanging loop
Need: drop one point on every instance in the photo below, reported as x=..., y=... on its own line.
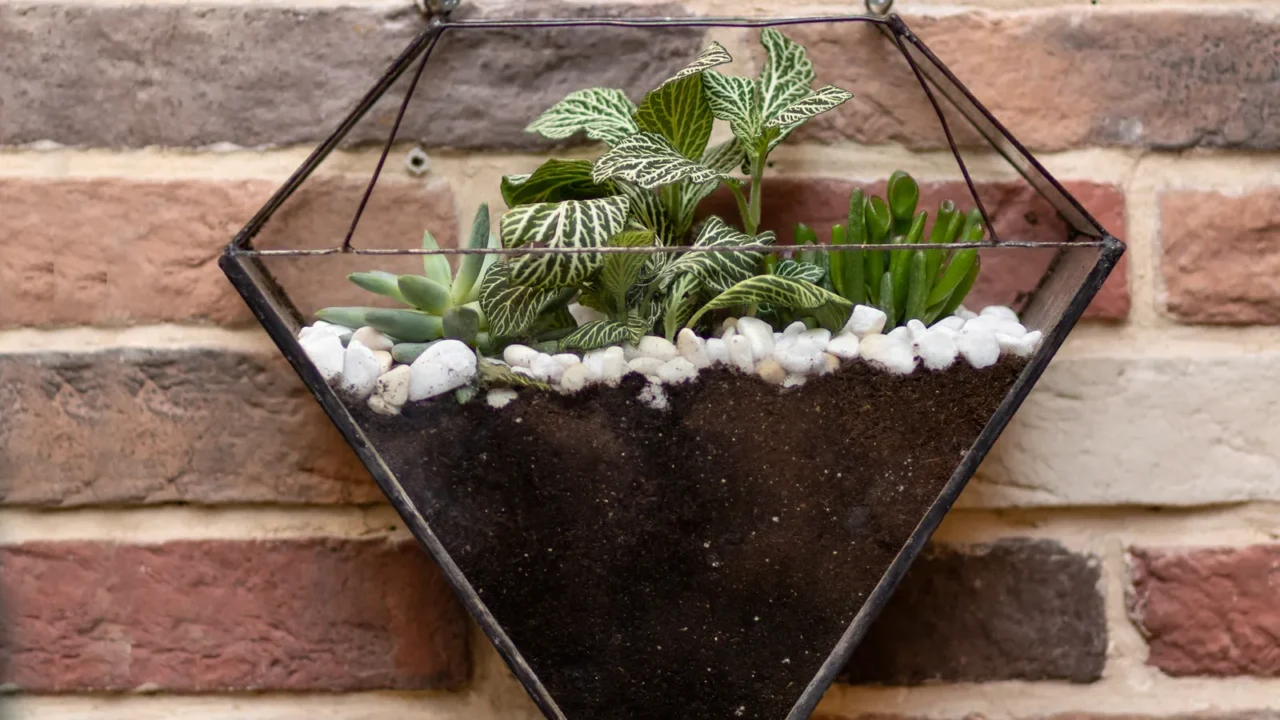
x=435, y=8
x=880, y=8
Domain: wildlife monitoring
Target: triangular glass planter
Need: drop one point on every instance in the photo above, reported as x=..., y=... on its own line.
x=719, y=559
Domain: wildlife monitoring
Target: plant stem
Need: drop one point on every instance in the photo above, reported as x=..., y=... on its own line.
x=743, y=209
x=757, y=176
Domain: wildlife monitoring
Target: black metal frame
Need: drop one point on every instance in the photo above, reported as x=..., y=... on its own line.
x=1073, y=279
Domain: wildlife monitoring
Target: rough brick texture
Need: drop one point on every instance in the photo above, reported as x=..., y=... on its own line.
x=1209, y=611
x=136, y=426
x=1015, y=610
x=1220, y=256
x=208, y=616
x=111, y=252
x=1018, y=212
x=1140, y=431
x=1082, y=77
x=187, y=76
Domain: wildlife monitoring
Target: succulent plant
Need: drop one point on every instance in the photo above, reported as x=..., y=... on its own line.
x=441, y=304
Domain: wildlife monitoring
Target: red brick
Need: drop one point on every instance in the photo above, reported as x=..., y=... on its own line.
x=1212, y=611
x=215, y=616
x=1220, y=256
x=1018, y=212
x=1067, y=78
x=116, y=252
x=139, y=426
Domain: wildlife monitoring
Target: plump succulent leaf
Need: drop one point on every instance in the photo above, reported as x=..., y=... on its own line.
x=596, y=334
x=718, y=270
x=621, y=271
x=961, y=263
x=435, y=267
x=511, y=309
x=787, y=75
x=602, y=113
x=407, y=325
x=773, y=290
x=648, y=160
x=461, y=323
x=380, y=283
x=568, y=224
x=957, y=296
x=918, y=288
x=805, y=271
x=469, y=266
x=903, y=193
x=350, y=317
x=553, y=181
x=424, y=294
x=406, y=353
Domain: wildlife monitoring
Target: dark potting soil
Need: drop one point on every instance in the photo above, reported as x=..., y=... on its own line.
x=697, y=562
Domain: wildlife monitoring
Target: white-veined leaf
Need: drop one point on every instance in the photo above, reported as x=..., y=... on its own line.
x=494, y=374
x=510, y=309
x=726, y=157
x=602, y=113
x=718, y=270
x=773, y=290
x=567, y=224
x=714, y=55
x=800, y=271
x=648, y=160
x=787, y=75
x=733, y=99
x=553, y=181
x=640, y=321
x=621, y=271
x=596, y=334
x=798, y=113
x=679, y=304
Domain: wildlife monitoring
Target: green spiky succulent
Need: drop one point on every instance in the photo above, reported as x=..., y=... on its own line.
x=441, y=303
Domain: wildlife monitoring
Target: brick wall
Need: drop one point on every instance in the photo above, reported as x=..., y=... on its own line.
x=183, y=535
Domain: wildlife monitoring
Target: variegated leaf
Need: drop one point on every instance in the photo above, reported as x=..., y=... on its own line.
x=718, y=270
x=602, y=113
x=679, y=112
x=726, y=157
x=494, y=374
x=567, y=224
x=800, y=271
x=787, y=75
x=733, y=99
x=640, y=321
x=622, y=270
x=648, y=160
x=595, y=335
x=827, y=97
x=679, y=304
x=510, y=309
x=553, y=181
x=773, y=290
x=714, y=55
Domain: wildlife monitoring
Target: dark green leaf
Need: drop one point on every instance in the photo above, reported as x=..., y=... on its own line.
x=511, y=309
x=918, y=290
x=622, y=271
x=719, y=270
x=553, y=181
x=568, y=224
x=903, y=194
x=595, y=335
x=774, y=290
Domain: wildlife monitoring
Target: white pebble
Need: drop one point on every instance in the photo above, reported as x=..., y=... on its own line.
x=373, y=339
x=999, y=311
x=574, y=378
x=583, y=314
x=677, y=370
x=729, y=332
x=645, y=365
x=546, y=369
x=804, y=354
x=657, y=347
x=726, y=325
x=794, y=381
x=606, y=366
x=937, y=348
x=866, y=320
x=717, y=351
x=1022, y=347
x=519, y=355
x=997, y=324
x=320, y=329
x=794, y=329
x=916, y=329
x=566, y=360
x=693, y=348
x=978, y=346
x=499, y=397
x=888, y=353
x=740, y=354
x=326, y=353
x=393, y=386
x=954, y=322
x=844, y=346
x=770, y=371
x=360, y=370
x=901, y=334
x=381, y=406
x=654, y=396
x=830, y=364
x=446, y=365
x=965, y=313
x=760, y=333
x=385, y=361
